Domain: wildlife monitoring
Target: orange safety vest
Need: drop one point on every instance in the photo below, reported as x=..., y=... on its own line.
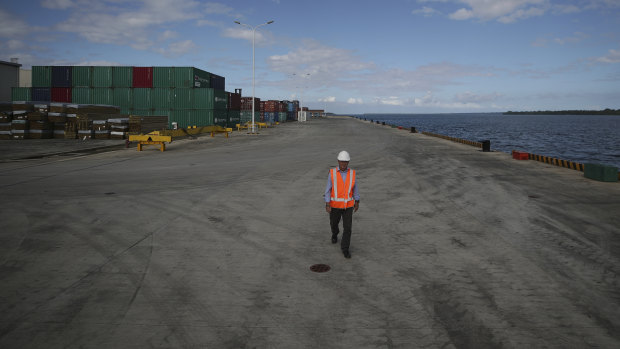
x=342, y=193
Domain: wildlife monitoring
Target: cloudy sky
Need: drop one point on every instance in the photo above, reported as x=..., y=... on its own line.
x=348, y=56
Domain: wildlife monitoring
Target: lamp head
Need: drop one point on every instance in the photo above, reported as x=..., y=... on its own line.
x=269, y=22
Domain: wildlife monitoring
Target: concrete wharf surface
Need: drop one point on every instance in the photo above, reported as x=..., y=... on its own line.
x=209, y=245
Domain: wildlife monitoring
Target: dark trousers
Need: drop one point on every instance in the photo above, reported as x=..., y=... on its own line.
x=334, y=221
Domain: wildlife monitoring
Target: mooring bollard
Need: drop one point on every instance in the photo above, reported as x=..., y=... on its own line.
x=413, y=130
x=486, y=145
x=383, y=123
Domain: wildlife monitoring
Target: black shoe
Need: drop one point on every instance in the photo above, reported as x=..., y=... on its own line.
x=334, y=239
x=346, y=254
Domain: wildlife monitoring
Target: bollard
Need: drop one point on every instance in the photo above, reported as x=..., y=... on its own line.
x=413, y=130
x=377, y=122
x=383, y=123
x=486, y=145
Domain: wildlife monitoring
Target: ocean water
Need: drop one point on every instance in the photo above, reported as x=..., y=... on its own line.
x=579, y=138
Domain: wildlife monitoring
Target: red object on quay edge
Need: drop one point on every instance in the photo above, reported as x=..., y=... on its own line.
x=519, y=155
x=143, y=77
x=61, y=94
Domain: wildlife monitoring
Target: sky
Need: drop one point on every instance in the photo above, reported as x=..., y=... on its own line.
x=346, y=56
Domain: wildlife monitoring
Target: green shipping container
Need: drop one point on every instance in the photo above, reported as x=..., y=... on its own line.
x=202, y=117
x=246, y=116
x=41, y=76
x=123, y=97
x=81, y=95
x=187, y=77
x=221, y=99
x=144, y=112
x=82, y=76
x=203, y=98
x=102, y=95
x=233, y=118
x=163, y=76
x=181, y=117
x=20, y=93
x=162, y=112
x=141, y=99
x=122, y=76
x=220, y=117
x=126, y=111
x=161, y=98
x=601, y=173
x=182, y=98
x=102, y=76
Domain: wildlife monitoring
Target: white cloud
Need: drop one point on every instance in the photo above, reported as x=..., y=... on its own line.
x=329, y=99
x=178, y=48
x=133, y=24
x=469, y=97
x=392, y=100
x=575, y=38
x=57, y=4
x=217, y=8
x=240, y=32
x=13, y=27
x=204, y=22
x=168, y=34
x=425, y=11
x=505, y=11
x=355, y=101
x=612, y=57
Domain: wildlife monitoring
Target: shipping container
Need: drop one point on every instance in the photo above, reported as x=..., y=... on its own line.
x=203, y=98
x=102, y=95
x=163, y=77
x=122, y=76
x=270, y=117
x=82, y=76
x=144, y=112
x=246, y=116
x=143, y=77
x=41, y=94
x=126, y=111
x=281, y=117
x=61, y=94
x=141, y=99
x=41, y=76
x=191, y=117
x=202, y=117
x=218, y=82
x=162, y=112
x=102, y=76
x=21, y=94
x=220, y=117
x=187, y=77
x=161, y=98
x=220, y=99
x=182, y=98
x=123, y=97
x=81, y=95
x=61, y=76
x=246, y=103
x=234, y=101
x=233, y=118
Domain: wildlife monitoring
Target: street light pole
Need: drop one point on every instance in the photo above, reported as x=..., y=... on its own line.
x=301, y=117
x=253, y=83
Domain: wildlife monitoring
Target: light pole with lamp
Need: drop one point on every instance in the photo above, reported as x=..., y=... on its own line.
x=253, y=83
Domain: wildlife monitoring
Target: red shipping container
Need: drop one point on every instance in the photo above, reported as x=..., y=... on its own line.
x=143, y=77
x=519, y=155
x=246, y=103
x=234, y=101
x=61, y=94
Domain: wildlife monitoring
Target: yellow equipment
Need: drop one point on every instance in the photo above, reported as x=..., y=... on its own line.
x=153, y=138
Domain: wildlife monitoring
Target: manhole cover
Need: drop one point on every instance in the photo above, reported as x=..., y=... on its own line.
x=320, y=268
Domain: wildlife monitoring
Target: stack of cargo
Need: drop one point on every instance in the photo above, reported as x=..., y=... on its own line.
x=101, y=129
x=246, y=110
x=186, y=95
x=119, y=128
x=39, y=125
x=6, y=116
x=282, y=107
x=271, y=111
x=145, y=124
x=234, y=109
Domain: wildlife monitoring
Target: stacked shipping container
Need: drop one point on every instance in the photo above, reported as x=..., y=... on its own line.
x=184, y=94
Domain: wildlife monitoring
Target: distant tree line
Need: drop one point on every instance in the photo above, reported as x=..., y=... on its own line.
x=566, y=112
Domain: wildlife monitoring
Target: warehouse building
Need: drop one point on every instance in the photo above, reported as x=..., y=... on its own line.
x=9, y=78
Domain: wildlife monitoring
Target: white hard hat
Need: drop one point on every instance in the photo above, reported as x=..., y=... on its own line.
x=344, y=156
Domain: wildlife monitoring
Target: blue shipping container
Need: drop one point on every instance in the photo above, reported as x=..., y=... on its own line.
x=41, y=94
x=62, y=76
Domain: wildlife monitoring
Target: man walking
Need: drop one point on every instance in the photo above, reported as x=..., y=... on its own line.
x=341, y=200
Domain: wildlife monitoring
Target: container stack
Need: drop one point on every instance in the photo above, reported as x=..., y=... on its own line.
x=246, y=110
x=234, y=109
x=185, y=95
x=6, y=116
